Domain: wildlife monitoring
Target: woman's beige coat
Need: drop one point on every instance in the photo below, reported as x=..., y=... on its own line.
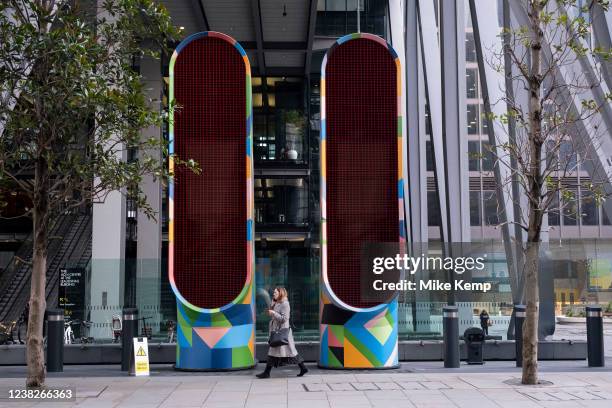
x=280, y=320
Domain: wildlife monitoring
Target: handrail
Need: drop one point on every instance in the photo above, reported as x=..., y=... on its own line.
x=70, y=227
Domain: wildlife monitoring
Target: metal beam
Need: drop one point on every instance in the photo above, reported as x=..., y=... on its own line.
x=430, y=50
x=256, y=11
x=276, y=46
x=279, y=71
x=416, y=208
x=198, y=9
x=312, y=23
x=452, y=46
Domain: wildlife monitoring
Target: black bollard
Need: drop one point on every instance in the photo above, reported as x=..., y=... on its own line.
x=55, y=340
x=519, y=318
x=129, y=330
x=595, y=340
x=450, y=323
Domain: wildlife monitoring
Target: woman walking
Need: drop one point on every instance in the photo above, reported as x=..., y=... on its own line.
x=279, y=313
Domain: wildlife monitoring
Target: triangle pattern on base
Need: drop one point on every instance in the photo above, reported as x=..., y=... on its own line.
x=211, y=335
x=353, y=358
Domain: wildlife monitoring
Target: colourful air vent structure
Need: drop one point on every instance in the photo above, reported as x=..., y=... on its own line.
x=361, y=197
x=211, y=249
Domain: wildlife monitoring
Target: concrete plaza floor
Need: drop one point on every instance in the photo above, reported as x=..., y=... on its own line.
x=428, y=384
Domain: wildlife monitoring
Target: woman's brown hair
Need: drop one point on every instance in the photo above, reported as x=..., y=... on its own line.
x=283, y=293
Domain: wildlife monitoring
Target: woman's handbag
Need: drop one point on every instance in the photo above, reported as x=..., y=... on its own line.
x=279, y=338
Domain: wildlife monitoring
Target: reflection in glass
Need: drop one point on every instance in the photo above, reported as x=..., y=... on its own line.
x=554, y=216
x=488, y=158
x=429, y=156
x=339, y=17
x=433, y=209
x=471, y=77
x=279, y=120
x=490, y=207
x=588, y=209
x=568, y=160
x=281, y=201
x=475, y=213
x=470, y=47
x=281, y=264
x=472, y=119
x=474, y=155
x=570, y=208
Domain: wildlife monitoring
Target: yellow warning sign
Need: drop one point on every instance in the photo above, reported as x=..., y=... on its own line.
x=141, y=356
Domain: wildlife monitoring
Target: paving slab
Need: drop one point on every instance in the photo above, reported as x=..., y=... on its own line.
x=388, y=385
x=568, y=388
x=342, y=386
x=363, y=386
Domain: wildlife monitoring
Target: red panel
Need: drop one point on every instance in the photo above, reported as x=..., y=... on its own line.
x=361, y=122
x=210, y=261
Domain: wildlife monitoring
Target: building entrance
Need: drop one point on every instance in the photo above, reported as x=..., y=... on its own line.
x=288, y=264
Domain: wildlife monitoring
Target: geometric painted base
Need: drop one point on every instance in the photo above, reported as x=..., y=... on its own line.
x=358, y=339
x=215, y=341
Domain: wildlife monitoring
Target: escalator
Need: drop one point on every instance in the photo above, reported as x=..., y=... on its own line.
x=69, y=243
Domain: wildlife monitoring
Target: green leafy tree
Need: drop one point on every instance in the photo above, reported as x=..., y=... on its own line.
x=72, y=105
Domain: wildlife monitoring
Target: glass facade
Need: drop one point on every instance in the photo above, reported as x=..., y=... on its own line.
x=279, y=120
x=286, y=126
x=291, y=266
x=338, y=17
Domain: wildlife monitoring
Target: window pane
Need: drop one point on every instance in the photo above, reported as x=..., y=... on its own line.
x=553, y=213
x=474, y=155
x=471, y=79
x=339, y=17
x=470, y=47
x=281, y=201
x=487, y=157
x=570, y=210
x=281, y=263
x=472, y=119
x=482, y=119
x=433, y=209
x=490, y=207
x=280, y=128
x=588, y=209
x=551, y=154
x=567, y=156
x=475, y=218
x=429, y=159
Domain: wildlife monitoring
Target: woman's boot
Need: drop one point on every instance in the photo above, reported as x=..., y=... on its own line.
x=303, y=369
x=265, y=373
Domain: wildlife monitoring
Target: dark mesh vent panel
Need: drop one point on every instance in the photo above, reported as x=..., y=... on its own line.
x=362, y=199
x=210, y=248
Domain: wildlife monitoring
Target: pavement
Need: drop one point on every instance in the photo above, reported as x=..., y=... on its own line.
x=418, y=384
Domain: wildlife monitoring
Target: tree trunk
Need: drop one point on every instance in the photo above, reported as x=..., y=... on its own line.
x=534, y=191
x=530, y=324
x=35, y=353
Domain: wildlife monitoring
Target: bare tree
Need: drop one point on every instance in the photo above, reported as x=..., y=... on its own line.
x=556, y=128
